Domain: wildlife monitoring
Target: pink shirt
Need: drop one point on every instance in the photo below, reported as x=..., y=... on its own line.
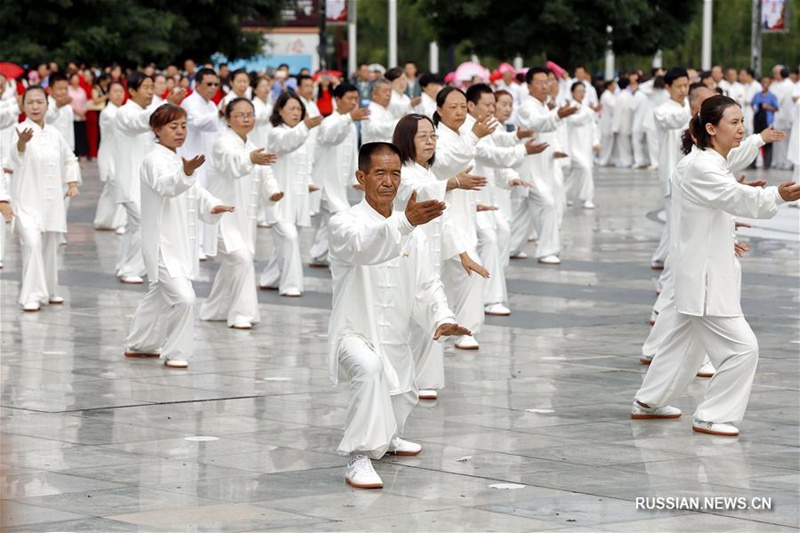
x=80, y=103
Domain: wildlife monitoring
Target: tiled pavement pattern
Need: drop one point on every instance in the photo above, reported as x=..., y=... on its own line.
x=94, y=442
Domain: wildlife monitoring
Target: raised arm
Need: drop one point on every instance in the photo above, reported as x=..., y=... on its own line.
x=354, y=241
x=286, y=140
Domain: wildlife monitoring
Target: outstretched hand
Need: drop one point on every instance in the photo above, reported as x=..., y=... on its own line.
x=740, y=248
x=190, y=165
x=789, y=191
x=259, y=156
x=533, y=147
x=176, y=96
x=771, y=135
x=469, y=182
x=471, y=266
x=524, y=133
x=423, y=212
x=6, y=211
x=450, y=330
x=754, y=183
x=24, y=137
x=217, y=209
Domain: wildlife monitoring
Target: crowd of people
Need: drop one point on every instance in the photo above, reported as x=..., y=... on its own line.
x=193, y=162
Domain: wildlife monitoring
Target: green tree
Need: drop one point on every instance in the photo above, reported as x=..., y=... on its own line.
x=130, y=32
x=567, y=31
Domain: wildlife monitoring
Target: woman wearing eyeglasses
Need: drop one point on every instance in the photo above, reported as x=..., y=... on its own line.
x=236, y=174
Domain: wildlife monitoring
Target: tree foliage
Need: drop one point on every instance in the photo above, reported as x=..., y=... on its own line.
x=566, y=31
x=129, y=32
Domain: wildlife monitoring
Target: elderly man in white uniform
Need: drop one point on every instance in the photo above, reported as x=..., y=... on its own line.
x=379, y=127
x=335, y=169
x=383, y=279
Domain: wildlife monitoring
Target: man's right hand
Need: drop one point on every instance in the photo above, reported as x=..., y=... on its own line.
x=313, y=122
x=789, y=191
x=359, y=113
x=533, y=147
x=259, y=156
x=423, y=212
x=61, y=102
x=567, y=110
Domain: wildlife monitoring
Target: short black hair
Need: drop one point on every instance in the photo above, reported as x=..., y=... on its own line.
x=239, y=71
x=474, y=92
x=674, y=73
x=535, y=70
x=203, y=72
x=393, y=73
x=232, y=104
x=59, y=76
x=368, y=150
x=343, y=88
x=428, y=78
x=136, y=80
x=623, y=83
x=303, y=77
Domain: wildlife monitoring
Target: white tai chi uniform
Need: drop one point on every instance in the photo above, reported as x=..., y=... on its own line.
x=671, y=119
x=427, y=106
x=9, y=115
x=292, y=173
x=541, y=206
x=379, y=125
x=236, y=181
x=623, y=128
x=738, y=159
x=109, y=214
x=608, y=149
x=314, y=198
x=62, y=118
x=334, y=173
x=204, y=126
x=493, y=154
x=749, y=90
x=383, y=280
x=172, y=202
x=708, y=292
x=784, y=117
x=454, y=153
x=41, y=175
x=399, y=105
x=134, y=140
x=428, y=354
x=582, y=136
x=259, y=136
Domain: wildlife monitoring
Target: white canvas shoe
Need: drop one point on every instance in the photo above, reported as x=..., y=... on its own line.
x=132, y=280
x=646, y=359
x=120, y=230
x=713, y=428
x=56, y=300
x=707, y=370
x=427, y=394
x=403, y=448
x=292, y=293
x=550, y=260
x=519, y=255
x=497, y=310
x=31, y=306
x=467, y=342
x=642, y=412
x=588, y=204
x=176, y=363
x=361, y=475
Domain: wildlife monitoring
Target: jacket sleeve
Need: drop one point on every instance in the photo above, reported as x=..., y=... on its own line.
x=70, y=169
x=133, y=123
x=334, y=129
x=202, y=120
x=382, y=129
x=287, y=140
x=538, y=122
x=740, y=157
x=232, y=162
x=672, y=117
x=430, y=308
x=452, y=158
x=205, y=203
x=165, y=181
x=491, y=155
x=269, y=185
x=9, y=114
x=718, y=189
x=357, y=243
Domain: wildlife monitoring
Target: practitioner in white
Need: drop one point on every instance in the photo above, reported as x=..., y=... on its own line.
x=608, y=112
x=240, y=88
x=288, y=138
x=671, y=118
x=205, y=126
x=415, y=137
x=59, y=113
x=109, y=215
x=379, y=127
x=383, y=280
x=9, y=118
x=623, y=125
x=462, y=274
x=305, y=90
x=583, y=142
x=541, y=206
x=430, y=84
x=400, y=104
x=708, y=314
x=44, y=167
x=238, y=173
x=337, y=157
x=172, y=202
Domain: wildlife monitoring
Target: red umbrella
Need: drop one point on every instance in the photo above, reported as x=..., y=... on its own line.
x=11, y=71
x=330, y=73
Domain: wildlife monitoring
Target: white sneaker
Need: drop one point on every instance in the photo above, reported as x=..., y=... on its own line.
x=427, y=394
x=202, y=257
x=242, y=325
x=467, y=342
x=292, y=293
x=120, y=230
x=653, y=316
x=132, y=280
x=640, y=412
x=403, y=448
x=713, y=428
x=31, y=306
x=519, y=255
x=56, y=300
x=497, y=310
x=176, y=363
x=646, y=359
x=361, y=475
x=318, y=263
x=707, y=370
x=657, y=265
x=550, y=260
x=588, y=204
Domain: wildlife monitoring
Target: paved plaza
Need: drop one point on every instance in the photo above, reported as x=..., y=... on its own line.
x=532, y=432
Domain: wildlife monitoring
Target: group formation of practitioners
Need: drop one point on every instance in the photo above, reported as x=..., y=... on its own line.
x=449, y=196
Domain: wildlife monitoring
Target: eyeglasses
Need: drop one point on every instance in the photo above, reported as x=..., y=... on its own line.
x=240, y=116
x=212, y=84
x=428, y=137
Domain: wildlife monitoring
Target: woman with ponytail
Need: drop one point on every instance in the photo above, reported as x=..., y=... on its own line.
x=708, y=316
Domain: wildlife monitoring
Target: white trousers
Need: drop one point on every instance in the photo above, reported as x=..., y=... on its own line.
x=541, y=210
x=580, y=184
x=780, y=151
x=493, y=249
x=464, y=292
x=608, y=150
x=285, y=267
x=319, y=250
x=640, y=157
x=374, y=417
x=39, y=264
x=130, y=261
x=663, y=244
x=428, y=359
x=164, y=320
x=109, y=214
x=233, y=295
x=624, y=150
x=733, y=349
x=653, y=147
